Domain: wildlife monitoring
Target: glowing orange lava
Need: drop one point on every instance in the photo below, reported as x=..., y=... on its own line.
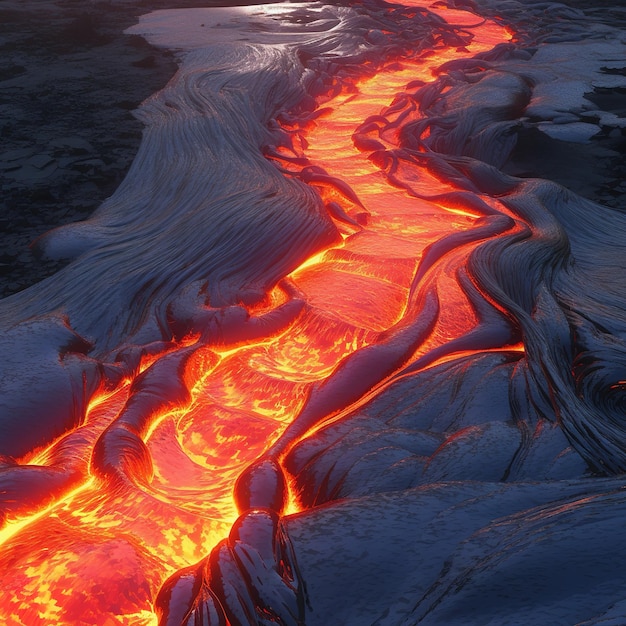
x=99, y=552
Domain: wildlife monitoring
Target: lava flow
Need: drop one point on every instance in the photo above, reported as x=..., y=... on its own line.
x=144, y=485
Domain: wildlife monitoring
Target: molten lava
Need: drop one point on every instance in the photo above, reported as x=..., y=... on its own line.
x=104, y=542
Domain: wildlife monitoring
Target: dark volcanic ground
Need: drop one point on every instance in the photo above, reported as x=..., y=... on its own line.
x=70, y=79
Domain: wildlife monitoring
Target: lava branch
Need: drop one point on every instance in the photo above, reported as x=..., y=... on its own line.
x=392, y=296
x=245, y=579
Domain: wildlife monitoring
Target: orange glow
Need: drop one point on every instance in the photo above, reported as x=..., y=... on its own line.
x=97, y=553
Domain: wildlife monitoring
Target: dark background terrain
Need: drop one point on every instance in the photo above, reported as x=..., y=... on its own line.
x=70, y=79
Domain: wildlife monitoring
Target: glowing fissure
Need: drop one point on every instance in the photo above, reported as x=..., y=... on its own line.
x=158, y=493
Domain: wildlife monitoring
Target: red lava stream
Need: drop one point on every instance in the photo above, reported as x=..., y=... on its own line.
x=99, y=555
